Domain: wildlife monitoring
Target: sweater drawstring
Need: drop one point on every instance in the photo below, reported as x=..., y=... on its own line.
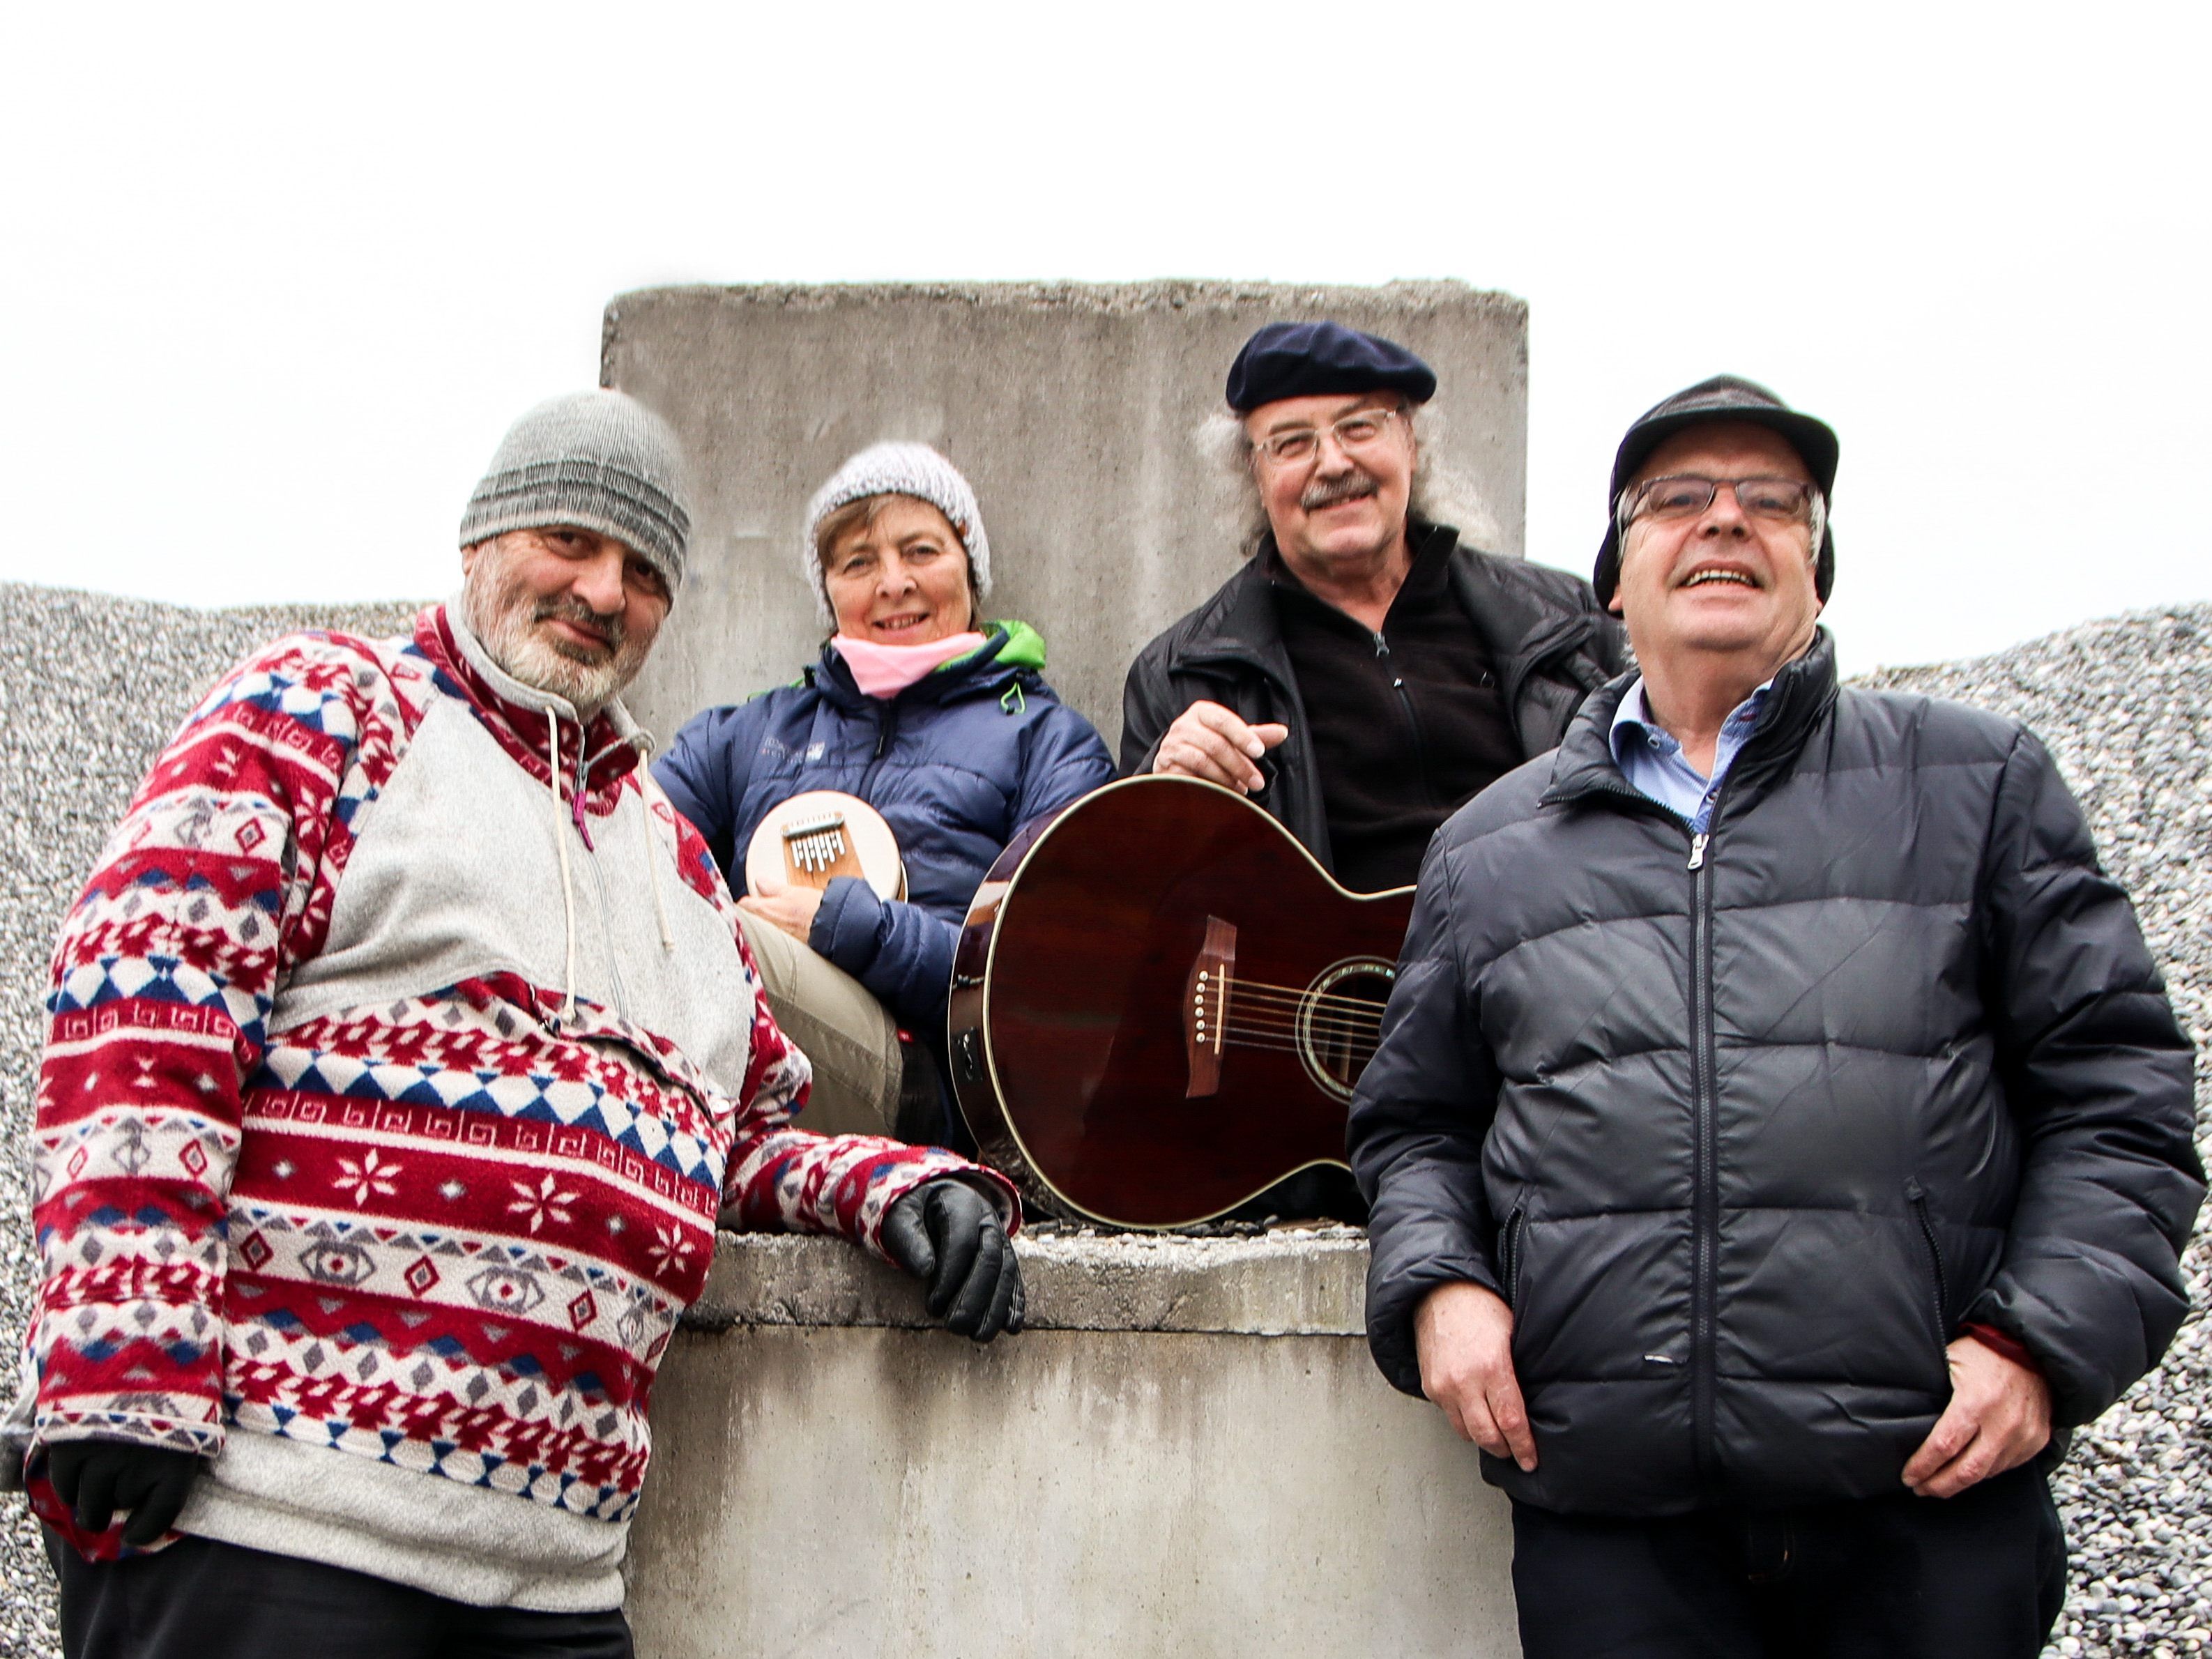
x=568, y=880
x=648, y=791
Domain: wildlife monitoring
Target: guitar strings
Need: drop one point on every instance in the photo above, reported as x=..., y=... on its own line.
x=1352, y=1013
x=1303, y=1030
x=1368, y=1012
x=1296, y=993
x=1281, y=1019
x=1297, y=1040
x=1324, y=1036
x=1320, y=1024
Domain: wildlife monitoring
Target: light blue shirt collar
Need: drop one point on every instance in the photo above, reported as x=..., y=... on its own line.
x=1650, y=758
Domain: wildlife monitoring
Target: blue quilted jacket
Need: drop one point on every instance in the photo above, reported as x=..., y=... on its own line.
x=956, y=763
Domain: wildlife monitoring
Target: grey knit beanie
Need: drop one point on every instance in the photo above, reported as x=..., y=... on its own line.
x=914, y=470
x=598, y=460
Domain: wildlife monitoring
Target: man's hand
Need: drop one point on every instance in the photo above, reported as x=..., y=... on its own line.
x=1464, y=1335
x=1999, y=1416
x=95, y=1478
x=1207, y=741
x=790, y=909
x=946, y=1233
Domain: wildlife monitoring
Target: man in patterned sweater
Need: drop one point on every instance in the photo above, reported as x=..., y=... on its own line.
x=404, y=1051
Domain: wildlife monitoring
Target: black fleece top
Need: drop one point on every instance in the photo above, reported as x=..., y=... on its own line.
x=1407, y=724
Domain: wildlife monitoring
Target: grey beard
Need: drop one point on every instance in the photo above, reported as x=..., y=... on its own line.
x=505, y=622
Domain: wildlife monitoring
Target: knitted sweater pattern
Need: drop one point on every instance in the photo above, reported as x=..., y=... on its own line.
x=291, y=1194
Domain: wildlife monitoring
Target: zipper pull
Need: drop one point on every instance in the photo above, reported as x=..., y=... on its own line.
x=1382, y=645
x=1698, y=850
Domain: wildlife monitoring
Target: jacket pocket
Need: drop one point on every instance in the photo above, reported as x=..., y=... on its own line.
x=1939, y=1283
x=1509, y=1257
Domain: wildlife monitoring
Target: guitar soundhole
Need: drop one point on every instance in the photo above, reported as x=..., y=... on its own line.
x=1340, y=1019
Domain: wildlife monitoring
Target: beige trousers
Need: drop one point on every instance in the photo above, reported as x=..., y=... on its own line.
x=848, y=1035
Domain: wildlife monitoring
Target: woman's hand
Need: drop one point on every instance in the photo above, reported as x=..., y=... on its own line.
x=790, y=909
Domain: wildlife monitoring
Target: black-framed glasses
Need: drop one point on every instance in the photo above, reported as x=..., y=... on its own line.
x=1356, y=431
x=1687, y=494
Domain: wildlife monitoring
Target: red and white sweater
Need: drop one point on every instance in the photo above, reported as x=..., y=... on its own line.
x=403, y=1051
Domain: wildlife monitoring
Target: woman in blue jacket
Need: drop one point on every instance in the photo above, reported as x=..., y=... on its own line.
x=941, y=723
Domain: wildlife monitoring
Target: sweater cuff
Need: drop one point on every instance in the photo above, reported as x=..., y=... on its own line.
x=1999, y=1342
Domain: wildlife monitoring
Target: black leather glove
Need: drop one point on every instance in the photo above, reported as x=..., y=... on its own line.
x=946, y=1233
x=95, y=1478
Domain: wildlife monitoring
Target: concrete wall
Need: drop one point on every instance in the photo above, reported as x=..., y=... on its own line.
x=1188, y=1453
x=1071, y=409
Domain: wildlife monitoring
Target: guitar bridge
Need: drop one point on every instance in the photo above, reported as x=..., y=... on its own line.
x=1206, y=1006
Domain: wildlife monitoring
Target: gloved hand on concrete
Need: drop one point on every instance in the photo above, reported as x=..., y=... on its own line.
x=948, y=1234
x=95, y=1478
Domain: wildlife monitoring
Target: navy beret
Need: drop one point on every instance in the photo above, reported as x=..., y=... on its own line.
x=1317, y=360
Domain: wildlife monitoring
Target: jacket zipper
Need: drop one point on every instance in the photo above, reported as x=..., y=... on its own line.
x=1705, y=1225
x=1917, y=1195
x=887, y=730
x=1413, y=719
x=1704, y=1207
x=1509, y=1250
x=1704, y=1040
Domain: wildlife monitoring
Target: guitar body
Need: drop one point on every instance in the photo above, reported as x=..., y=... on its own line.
x=1160, y=1004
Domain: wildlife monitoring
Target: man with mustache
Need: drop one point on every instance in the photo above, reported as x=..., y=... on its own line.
x=404, y=1051
x=1780, y=1130
x=1367, y=671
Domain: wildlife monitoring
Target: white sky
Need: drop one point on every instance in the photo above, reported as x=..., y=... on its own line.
x=277, y=276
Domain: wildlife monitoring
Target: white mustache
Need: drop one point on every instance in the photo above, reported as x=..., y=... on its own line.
x=1321, y=493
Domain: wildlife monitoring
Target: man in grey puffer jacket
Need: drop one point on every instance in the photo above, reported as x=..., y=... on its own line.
x=1780, y=1130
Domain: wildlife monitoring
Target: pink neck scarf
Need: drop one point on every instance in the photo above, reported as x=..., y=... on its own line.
x=885, y=670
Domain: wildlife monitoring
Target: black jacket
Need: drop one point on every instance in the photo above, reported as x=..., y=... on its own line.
x=1552, y=644
x=1746, y=1131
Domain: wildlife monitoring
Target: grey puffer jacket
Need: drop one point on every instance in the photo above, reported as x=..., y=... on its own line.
x=1551, y=642
x=1748, y=1127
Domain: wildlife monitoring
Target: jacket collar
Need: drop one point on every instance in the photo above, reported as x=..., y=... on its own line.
x=1241, y=625
x=1804, y=692
x=1519, y=629
x=524, y=720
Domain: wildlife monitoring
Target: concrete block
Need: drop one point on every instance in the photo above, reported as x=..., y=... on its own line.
x=1189, y=1453
x=1071, y=407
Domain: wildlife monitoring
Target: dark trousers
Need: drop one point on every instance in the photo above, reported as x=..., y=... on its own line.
x=1981, y=1576
x=201, y=1600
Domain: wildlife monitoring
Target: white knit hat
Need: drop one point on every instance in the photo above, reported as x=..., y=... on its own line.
x=914, y=470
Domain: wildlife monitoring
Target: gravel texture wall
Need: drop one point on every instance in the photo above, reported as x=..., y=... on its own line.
x=90, y=687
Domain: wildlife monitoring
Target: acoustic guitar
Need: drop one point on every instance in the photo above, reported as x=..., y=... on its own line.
x=815, y=836
x=1160, y=1005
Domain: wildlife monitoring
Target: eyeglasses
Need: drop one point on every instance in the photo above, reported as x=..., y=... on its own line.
x=1360, y=429
x=1686, y=494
